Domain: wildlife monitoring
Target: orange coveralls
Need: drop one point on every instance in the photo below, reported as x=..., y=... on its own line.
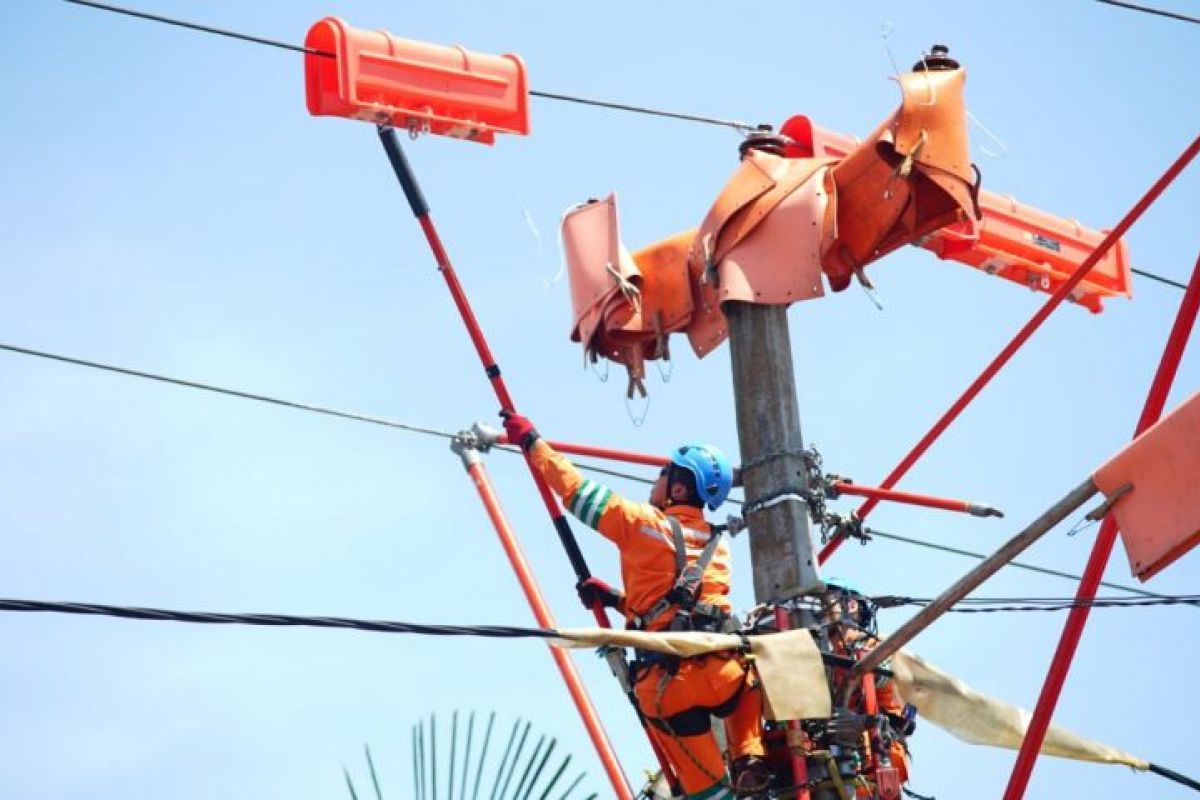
x=888, y=701
x=647, y=548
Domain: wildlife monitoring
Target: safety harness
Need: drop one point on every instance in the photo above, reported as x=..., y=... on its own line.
x=690, y=615
x=685, y=591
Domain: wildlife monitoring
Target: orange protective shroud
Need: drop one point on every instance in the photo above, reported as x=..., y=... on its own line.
x=1012, y=240
x=377, y=77
x=1159, y=518
x=907, y=179
x=759, y=243
x=624, y=306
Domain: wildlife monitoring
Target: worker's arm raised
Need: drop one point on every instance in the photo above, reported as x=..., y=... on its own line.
x=593, y=503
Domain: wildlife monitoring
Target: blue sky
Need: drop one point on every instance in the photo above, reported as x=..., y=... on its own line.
x=167, y=204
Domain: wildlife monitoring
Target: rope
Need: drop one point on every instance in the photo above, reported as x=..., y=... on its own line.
x=741, y=127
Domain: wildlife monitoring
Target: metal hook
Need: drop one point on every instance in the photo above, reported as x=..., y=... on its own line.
x=995, y=139
x=592, y=367
x=541, y=251
x=664, y=373
x=885, y=33
x=636, y=418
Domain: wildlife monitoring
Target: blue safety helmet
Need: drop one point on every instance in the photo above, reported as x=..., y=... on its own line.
x=710, y=468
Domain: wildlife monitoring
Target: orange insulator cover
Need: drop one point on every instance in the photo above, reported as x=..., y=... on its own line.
x=1039, y=250
x=625, y=306
x=1010, y=240
x=759, y=243
x=377, y=77
x=1159, y=518
x=907, y=179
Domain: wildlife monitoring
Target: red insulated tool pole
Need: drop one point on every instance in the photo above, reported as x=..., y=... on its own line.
x=913, y=499
x=420, y=209
x=1056, y=676
x=473, y=463
x=1022, y=336
x=841, y=487
x=609, y=454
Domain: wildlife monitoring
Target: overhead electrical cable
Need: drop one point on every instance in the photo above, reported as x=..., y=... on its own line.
x=1017, y=564
x=388, y=423
x=147, y=614
x=981, y=605
x=737, y=125
x=1159, y=278
x=1148, y=10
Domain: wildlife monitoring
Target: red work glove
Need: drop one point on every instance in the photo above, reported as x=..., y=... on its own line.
x=594, y=590
x=519, y=430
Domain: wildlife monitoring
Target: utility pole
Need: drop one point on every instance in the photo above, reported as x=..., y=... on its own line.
x=772, y=452
x=774, y=470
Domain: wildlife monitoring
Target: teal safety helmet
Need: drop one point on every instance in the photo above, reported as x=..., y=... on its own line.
x=844, y=585
x=710, y=468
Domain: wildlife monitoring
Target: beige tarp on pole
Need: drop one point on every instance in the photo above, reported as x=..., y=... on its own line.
x=788, y=664
x=955, y=707
x=794, y=684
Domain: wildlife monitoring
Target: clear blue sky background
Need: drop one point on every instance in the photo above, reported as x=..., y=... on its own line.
x=166, y=203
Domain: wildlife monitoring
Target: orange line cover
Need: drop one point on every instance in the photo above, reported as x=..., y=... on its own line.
x=1159, y=518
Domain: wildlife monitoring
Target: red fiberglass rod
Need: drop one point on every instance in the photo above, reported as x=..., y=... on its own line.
x=541, y=612
x=1022, y=336
x=1073, y=629
x=420, y=209
x=840, y=486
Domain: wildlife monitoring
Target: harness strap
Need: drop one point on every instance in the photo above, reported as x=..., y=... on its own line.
x=684, y=574
x=680, y=545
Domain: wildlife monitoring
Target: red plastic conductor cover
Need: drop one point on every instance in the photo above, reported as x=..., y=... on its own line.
x=376, y=77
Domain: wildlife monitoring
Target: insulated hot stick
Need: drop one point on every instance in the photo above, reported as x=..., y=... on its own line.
x=1022, y=336
x=1056, y=676
x=473, y=463
x=420, y=209
x=839, y=486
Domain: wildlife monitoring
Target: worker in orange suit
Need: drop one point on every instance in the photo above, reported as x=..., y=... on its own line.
x=852, y=633
x=676, y=696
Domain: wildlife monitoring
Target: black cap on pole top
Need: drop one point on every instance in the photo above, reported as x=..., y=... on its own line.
x=938, y=58
x=764, y=138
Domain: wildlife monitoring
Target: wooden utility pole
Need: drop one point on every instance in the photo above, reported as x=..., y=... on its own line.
x=771, y=445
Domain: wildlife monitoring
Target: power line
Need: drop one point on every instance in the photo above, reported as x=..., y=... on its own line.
x=276, y=401
x=207, y=387
x=989, y=605
x=277, y=620
x=739, y=126
x=1148, y=10
x=1159, y=278
x=483, y=631
x=1017, y=564
x=195, y=26
x=588, y=467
